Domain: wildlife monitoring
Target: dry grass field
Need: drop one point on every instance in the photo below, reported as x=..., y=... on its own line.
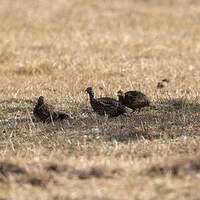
x=59, y=48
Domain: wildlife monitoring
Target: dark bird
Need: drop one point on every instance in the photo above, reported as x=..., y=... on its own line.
x=165, y=80
x=160, y=85
x=105, y=105
x=133, y=99
x=45, y=113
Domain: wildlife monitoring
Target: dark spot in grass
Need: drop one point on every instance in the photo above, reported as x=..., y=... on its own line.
x=35, y=181
x=6, y=168
x=189, y=166
x=56, y=168
x=165, y=80
x=160, y=85
x=93, y=173
x=134, y=135
x=175, y=104
x=81, y=174
x=96, y=172
x=163, y=170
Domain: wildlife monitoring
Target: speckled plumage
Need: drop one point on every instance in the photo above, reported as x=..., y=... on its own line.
x=105, y=105
x=133, y=99
x=45, y=113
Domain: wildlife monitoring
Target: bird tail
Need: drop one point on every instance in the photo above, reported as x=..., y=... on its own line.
x=59, y=116
x=62, y=116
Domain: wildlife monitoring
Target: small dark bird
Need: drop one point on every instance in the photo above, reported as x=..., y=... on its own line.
x=45, y=113
x=165, y=80
x=160, y=85
x=133, y=99
x=105, y=105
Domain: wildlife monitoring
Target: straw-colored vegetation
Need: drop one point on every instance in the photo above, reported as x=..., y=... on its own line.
x=59, y=48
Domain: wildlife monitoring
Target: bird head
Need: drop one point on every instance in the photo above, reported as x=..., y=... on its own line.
x=89, y=90
x=40, y=100
x=120, y=93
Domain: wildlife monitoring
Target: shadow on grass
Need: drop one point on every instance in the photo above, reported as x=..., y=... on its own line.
x=132, y=136
x=178, y=104
x=146, y=125
x=13, y=105
x=126, y=137
x=178, y=167
x=6, y=168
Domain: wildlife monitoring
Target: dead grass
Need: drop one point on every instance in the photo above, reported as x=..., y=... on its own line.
x=57, y=49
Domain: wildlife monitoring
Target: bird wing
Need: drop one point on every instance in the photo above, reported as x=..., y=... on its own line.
x=111, y=105
x=135, y=96
x=106, y=101
x=46, y=110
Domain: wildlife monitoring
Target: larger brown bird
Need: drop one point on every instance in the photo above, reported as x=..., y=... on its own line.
x=105, y=105
x=133, y=99
x=45, y=113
